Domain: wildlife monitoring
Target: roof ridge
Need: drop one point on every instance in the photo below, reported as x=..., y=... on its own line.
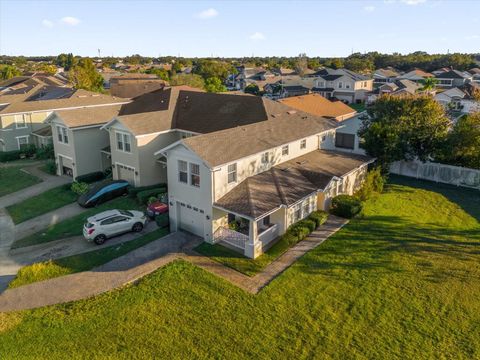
x=249, y=195
x=283, y=198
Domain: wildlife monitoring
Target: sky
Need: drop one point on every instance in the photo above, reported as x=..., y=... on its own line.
x=237, y=28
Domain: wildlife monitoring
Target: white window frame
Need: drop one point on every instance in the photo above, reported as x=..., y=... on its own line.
x=303, y=144
x=180, y=170
x=232, y=173
x=62, y=134
x=22, y=137
x=192, y=174
x=24, y=121
x=340, y=84
x=123, y=140
x=285, y=150
x=265, y=157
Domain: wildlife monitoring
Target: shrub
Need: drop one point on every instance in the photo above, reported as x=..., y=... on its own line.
x=151, y=200
x=299, y=230
x=28, y=150
x=91, y=177
x=309, y=224
x=134, y=191
x=319, y=217
x=234, y=226
x=346, y=206
x=51, y=167
x=10, y=155
x=373, y=183
x=162, y=220
x=45, y=152
x=143, y=196
x=79, y=187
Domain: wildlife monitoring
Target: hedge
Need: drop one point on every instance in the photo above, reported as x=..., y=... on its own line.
x=143, y=196
x=319, y=217
x=346, y=206
x=300, y=230
x=134, y=191
x=10, y=155
x=90, y=177
x=162, y=220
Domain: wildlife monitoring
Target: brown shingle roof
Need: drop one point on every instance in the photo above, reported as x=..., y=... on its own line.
x=317, y=105
x=96, y=115
x=281, y=126
x=289, y=182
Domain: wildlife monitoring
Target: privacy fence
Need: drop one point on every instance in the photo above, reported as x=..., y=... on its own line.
x=448, y=174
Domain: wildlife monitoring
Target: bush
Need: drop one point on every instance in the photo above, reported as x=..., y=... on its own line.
x=91, y=177
x=143, y=196
x=51, y=167
x=319, y=217
x=45, y=152
x=79, y=188
x=9, y=155
x=162, y=220
x=373, y=183
x=309, y=224
x=134, y=191
x=234, y=226
x=28, y=150
x=346, y=206
x=300, y=231
x=151, y=200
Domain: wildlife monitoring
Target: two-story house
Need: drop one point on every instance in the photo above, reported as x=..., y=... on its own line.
x=382, y=76
x=416, y=75
x=453, y=78
x=265, y=176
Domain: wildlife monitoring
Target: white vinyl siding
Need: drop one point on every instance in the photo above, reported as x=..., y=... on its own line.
x=123, y=142
x=232, y=173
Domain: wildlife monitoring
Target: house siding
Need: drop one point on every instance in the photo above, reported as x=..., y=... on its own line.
x=9, y=131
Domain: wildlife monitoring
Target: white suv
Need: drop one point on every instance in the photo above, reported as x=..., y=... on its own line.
x=113, y=222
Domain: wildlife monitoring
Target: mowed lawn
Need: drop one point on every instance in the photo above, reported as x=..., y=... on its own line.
x=13, y=179
x=37, y=205
x=400, y=282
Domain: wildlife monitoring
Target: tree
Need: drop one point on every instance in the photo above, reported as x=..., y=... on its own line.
x=403, y=128
x=252, y=89
x=161, y=73
x=214, y=69
x=301, y=64
x=67, y=61
x=463, y=143
x=429, y=84
x=214, y=84
x=48, y=69
x=359, y=63
x=85, y=76
x=192, y=80
x=8, y=72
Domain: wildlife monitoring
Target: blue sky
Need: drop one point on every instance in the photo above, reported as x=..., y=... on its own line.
x=231, y=28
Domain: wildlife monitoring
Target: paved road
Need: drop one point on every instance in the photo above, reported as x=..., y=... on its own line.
x=144, y=260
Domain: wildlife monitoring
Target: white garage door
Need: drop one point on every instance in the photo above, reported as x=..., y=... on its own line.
x=126, y=173
x=65, y=165
x=191, y=219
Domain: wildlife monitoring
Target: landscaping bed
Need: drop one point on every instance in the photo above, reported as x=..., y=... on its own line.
x=74, y=225
x=81, y=262
x=13, y=179
x=49, y=200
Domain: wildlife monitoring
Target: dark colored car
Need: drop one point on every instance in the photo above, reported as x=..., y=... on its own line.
x=156, y=208
x=102, y=192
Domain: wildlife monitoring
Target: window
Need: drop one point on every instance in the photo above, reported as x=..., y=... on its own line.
x=20, y=121
x=340, y=85
x=195, y=175
x=364, y=84
x=297, y=215
x=303, y=144
x=123, y=142
x=346, y=141
x=62, y=134
x=265, y=158
x=347, y=86
x=285, y=150
x=306, y=208
x=182, y=171
x=266, y=220
x=22, y=142
x=232, y=173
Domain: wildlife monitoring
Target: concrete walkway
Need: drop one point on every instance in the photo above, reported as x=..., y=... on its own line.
x=147, y=259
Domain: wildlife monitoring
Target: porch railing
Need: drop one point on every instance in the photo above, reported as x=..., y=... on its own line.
x=268, y=235
x=231, y=237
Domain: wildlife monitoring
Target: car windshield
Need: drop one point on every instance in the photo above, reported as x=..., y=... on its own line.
x=88, y=225
x=125, y=212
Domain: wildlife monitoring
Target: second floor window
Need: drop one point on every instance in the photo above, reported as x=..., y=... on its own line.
x=20, y=121
x=195, y=175
x=340, y=85
x=285, y=150
x=62, y=134
x=265, y=158
x=182, y=171
x=123, y=142
x=303, y=144
x=232, y=173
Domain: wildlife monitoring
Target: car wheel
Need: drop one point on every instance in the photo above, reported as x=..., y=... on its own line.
x=100, y=239
x=137, y=227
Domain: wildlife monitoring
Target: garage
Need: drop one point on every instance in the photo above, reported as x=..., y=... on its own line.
x=126, y=173
x=65, y=165
x=190, y=219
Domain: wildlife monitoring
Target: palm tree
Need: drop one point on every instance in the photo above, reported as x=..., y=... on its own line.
x=429, y=84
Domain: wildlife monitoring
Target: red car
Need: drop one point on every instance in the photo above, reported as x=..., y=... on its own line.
x=156, y=208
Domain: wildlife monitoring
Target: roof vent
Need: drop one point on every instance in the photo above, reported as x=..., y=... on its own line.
x=291, y=112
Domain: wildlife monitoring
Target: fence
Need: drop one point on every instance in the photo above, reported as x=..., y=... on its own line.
x=448, y=174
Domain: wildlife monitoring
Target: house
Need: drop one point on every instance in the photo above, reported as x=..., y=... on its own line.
x=346, y=138
x=440, y=71
x=342, y=84
x=459, y=99
x=397, y=88
x=453, y=78
x=264, y=176
x=133, y=85
x=24, y=108
x=382, y=76
x=416, y=75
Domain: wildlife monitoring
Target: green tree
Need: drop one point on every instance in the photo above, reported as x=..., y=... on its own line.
x=192, y=80
x=301, y=64
x=403, y=128
x=214, y=69
x=67, y=61
x=85, y=76
x=252, y=89
x=8, y=72
x=214, y=84
x=429, y=84
x=47, y=68
x=161, y=73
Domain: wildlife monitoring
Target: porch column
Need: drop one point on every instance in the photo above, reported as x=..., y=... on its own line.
x=253, y=248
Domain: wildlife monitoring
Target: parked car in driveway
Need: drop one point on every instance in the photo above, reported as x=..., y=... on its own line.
x=156, y=208
x=104, y=191
x=110, y=223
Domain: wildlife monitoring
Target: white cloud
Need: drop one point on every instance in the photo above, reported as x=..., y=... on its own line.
x=413, y=2
x=207, y=14
x=369, y=8
x=47, y=23
x=257, y=36
x=70, y=20
x=472, y=37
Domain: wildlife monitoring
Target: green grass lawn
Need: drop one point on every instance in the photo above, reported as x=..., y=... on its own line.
x=82, y=262
x=13, y=179
x=74, y=225
x=400, y=282
x=358, y=107
x=49, y=200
